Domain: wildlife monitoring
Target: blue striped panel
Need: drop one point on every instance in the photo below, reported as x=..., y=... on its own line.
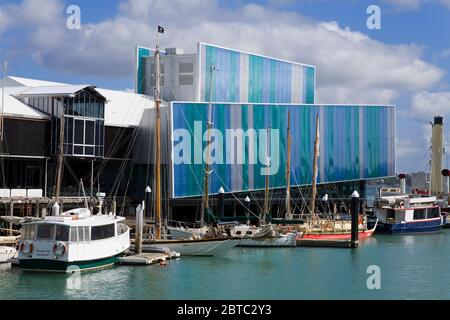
x=345, y=144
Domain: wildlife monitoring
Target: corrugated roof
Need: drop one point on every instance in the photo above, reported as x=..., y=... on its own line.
x=16, y=108
x=60, y=90
x=18, y=81
x=124, y=109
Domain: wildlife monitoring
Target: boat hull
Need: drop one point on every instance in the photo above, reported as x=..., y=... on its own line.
x=413, y=227
x=289, y=240
x=204, y=247
x=46, y=265
x=336, y=236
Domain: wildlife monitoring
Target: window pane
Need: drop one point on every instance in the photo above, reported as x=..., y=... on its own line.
x=89, y=151
x=87, y=236
x=45, y=231
x=102, y=232
x=186, y=67
x=78, y=150
x=73, y=234
x=79, y=132
x=80, y=234
x=62, y=233
x=90, y=129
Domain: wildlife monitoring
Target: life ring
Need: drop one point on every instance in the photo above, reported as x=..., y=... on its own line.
x=59, y=248
x=360, y=220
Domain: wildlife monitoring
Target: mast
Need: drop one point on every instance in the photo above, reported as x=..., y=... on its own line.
x=288, y=170
x=158, y=137
x=315, y=171
x=205, y=203
x=3, y=102
x=266, y=193
x=3, y=181
x=60, y=159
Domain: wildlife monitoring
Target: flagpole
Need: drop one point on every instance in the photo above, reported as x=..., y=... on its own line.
x=158, y=139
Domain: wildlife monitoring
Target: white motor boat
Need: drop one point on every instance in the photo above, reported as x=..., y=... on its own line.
x=73, y=241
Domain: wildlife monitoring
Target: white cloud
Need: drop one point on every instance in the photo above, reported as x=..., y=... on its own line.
x=351, y=67
x=429, y=104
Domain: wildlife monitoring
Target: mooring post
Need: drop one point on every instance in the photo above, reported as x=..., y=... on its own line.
x=247, y=209
x=221, y=202
x=355, y=218
x=139, y=228
x=148, y=192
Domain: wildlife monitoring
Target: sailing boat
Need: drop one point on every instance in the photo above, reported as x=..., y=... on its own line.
x=267, y=235
x=207, y=246
x=328, y=229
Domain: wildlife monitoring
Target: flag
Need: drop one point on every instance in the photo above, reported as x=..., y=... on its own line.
x=160, y=29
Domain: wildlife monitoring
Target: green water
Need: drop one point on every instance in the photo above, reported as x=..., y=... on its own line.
x=412, y=267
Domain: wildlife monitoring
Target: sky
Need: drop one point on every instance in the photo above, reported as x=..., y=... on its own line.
x=405, y=63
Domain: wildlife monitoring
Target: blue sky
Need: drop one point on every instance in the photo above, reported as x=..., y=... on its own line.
x=406, y=63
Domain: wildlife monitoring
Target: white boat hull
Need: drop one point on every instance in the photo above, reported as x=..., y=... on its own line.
x=193, y=247
x=187, y=234
x=6, y=253
x=288, y=240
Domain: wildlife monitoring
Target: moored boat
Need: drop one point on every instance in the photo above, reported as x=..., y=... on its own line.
x=408, y=214
x=73, y=241
x=197, y=247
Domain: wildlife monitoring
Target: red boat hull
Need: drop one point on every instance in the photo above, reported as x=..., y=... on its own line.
x=336, y=236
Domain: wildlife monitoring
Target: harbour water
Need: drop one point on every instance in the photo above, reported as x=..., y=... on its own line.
x=412, y=267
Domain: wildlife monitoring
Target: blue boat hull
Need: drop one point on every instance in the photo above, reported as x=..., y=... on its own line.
x=425, y=226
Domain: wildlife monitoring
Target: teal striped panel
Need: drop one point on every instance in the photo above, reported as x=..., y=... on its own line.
x=356, y=142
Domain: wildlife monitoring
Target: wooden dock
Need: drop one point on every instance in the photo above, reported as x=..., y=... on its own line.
x=144, y=259
x=327, y=243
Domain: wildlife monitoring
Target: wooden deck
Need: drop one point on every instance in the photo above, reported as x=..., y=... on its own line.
x=144, y=259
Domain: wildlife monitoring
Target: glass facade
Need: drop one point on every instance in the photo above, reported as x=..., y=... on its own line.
x=84, y=114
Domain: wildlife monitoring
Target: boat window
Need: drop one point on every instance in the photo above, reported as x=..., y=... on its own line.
x=62, y=233
x=81, y=234
x=249, y=233
x=420, y=214
x=73, y=234
x=28, y=232
x=87, y=236
x=390, y=214
x=238, y=232
x=102, y=232
x=121, y=228
x=45, y=231
x=433, y=213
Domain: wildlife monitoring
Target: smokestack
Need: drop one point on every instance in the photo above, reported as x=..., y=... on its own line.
x=446, y=176
x=402, y=178
x=437, y=151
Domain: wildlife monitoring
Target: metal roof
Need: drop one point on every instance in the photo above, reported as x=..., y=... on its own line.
x=16, y=108
x=60, y=90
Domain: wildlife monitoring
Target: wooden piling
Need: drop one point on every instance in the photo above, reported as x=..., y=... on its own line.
x=139, y=228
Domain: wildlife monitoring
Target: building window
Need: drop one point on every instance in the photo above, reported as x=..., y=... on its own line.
x=186, y=74
x=84, y=137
